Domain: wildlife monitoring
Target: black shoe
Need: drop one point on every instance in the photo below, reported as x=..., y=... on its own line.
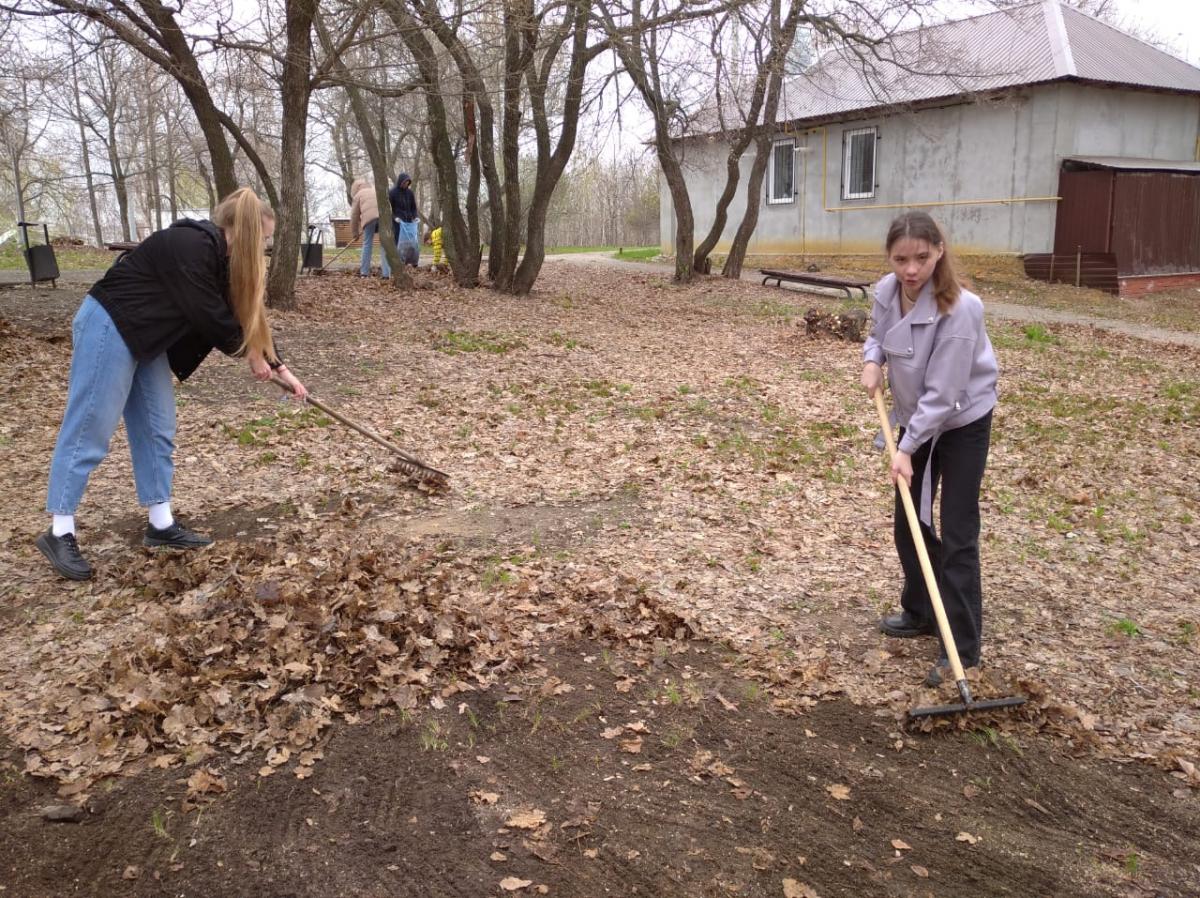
x=174, y=537
x=905, y=626
x=63, y=554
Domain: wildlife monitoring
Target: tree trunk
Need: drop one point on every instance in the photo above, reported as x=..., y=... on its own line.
x=766, y=131
x=685, y=222
x=781, y=37
x=517, y=21
x=375, y=153
x=479, y=93
x=86, y=152
x=172, y=173
x=461, y=252
x=551, y=165
x=19, y=187
x=289, y=210
x=152, y=134
x=118, y=176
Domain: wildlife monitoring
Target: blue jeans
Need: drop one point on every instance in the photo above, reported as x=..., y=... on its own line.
x=368, y=238
x=107, y=382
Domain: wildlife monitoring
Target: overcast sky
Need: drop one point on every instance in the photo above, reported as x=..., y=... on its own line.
x=1175, y=21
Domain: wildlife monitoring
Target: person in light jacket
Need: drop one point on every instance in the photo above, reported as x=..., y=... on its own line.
x=364, y=219
x=929, y=331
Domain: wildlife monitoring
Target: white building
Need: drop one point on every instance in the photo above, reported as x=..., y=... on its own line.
x=988, y=135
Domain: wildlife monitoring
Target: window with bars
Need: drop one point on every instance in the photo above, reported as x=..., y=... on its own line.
x=858, y=163
x=781, y=177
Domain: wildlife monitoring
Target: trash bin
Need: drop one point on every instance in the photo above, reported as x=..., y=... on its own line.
x=312, y=253
x=43, y=265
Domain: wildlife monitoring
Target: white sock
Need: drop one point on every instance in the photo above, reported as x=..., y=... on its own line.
x=160, y=516
x=63, y=524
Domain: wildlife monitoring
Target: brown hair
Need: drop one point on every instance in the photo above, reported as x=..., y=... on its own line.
x=920, y=226
x=240, y=215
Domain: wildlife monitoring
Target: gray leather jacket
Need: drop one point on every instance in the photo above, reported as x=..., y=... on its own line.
x=941, y=368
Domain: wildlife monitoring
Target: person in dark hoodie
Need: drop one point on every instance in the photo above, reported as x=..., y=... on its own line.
x=404, y=214
x=184, y=291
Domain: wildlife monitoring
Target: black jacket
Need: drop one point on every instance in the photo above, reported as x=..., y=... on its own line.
x=171, y=294
x=402, y=199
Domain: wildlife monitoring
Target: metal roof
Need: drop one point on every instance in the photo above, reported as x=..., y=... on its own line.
x=1031, y=44
x=1131, y=164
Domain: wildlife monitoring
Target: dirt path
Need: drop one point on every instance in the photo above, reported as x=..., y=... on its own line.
x=995, y=309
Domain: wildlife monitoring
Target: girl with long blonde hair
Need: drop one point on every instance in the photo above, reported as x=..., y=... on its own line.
x=182, y=292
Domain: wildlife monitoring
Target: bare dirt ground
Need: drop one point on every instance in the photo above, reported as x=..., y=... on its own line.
x=630, y=651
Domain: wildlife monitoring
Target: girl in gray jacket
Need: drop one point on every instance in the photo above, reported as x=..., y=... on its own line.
x=928, y=329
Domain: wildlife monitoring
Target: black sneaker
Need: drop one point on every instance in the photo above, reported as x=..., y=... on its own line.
x=174, y=537
x=905, y=626
x=63, y=554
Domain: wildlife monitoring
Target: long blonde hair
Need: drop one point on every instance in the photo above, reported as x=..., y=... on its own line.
x=240, y=215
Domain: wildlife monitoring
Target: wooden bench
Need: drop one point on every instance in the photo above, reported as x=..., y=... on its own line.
x=815, y=280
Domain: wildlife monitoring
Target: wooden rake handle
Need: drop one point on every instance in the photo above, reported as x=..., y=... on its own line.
x=914, y=526
x=365, y=431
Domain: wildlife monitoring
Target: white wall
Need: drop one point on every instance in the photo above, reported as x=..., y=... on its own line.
x=1009, y=149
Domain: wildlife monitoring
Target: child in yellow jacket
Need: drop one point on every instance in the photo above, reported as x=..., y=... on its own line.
x=435, y=237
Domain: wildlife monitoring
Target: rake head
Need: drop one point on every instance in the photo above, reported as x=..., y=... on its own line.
x=967, y=705
x=422, y=474
x=990, y=704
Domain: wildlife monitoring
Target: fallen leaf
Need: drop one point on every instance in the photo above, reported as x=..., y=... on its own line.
x=795, y=889
x=839, y=791
x=633, y=746
x=966, y=837
x=485, y=797
x=205, y=782
x=512, y=884
x=920, y=871
x=497, y=856
x=530, y=818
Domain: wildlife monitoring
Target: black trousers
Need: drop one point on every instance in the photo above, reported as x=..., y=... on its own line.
x=958, y=461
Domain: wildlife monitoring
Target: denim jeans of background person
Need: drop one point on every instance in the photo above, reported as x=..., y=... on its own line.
x=368, y=238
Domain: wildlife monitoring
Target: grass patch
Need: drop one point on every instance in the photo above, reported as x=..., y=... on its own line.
x=637, y=254
x=257, y=431
x=454, y=342
x=564, y=250
x=73, y=258
x=563, y=342
x=1124, y=627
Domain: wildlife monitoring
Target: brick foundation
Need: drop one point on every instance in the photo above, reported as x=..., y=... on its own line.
x=1156, y=283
